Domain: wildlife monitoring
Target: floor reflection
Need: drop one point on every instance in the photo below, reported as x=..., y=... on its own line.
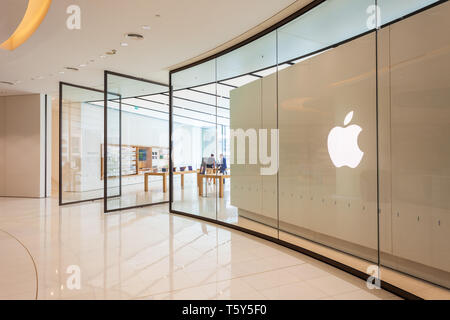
x=148, y=254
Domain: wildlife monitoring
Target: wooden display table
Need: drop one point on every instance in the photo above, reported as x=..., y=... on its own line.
x=221, y=178
x=164, y=175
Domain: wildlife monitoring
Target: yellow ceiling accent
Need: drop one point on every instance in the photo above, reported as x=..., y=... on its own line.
x=35, y=14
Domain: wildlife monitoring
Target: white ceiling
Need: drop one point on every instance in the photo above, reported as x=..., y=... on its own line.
x=185, y=29
x=12, y=12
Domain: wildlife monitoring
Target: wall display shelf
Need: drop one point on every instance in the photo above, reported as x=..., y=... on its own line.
x=160, y=158
x=135, y=160
x=129, y=156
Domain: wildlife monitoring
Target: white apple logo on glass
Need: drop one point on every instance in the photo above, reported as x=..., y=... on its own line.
x=343, y=144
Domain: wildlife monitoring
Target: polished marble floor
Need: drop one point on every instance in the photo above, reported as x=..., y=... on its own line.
x=47, y=251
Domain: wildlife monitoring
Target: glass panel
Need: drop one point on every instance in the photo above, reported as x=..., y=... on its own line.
x=394, y=9
x=328, y=154
x=247, y=140
x=329, y=23
x=195, y=117
x=81, y=127
x=201, y=74
x=415, y=154
x=138, y=143
x=257, y=55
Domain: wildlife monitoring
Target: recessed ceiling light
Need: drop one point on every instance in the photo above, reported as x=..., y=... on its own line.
x=134, y=36
x=82, y=65
x=112, y=52
x=102, y=57
x=7, y=82
x=145, y=27
x=61, y=72
x=124, y=44
x=39, y=77
x=17, y=81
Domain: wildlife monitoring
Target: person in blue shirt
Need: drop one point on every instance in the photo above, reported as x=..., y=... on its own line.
x=222, y=164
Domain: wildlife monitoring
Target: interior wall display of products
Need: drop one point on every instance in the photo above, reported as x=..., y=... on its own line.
x=129, y=159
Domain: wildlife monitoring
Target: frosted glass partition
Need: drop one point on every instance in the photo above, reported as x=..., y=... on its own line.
x=81, y=125
x=136, y=159
x=328, y=155
x=329, y=23
x=342, y=146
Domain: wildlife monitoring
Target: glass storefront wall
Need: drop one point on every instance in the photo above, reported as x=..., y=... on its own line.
x=312, y=129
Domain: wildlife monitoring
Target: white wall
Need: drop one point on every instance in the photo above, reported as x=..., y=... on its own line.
x=49, y=146
x=22, y=145
x=54, y=123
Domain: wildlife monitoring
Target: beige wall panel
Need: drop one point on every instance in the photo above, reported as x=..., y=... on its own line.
x=314, y=97
x=23, y=148
x=55, y=147
x=420, y=78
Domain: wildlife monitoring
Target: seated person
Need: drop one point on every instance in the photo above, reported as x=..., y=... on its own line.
x=222, y=164
x=210, y=166
x=211, y=162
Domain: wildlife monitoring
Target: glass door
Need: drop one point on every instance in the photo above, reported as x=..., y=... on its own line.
x=136, y=143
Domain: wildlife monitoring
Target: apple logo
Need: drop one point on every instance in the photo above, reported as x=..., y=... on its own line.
x=343, y=145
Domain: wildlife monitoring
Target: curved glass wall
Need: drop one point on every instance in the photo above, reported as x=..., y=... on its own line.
x=331, y=129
